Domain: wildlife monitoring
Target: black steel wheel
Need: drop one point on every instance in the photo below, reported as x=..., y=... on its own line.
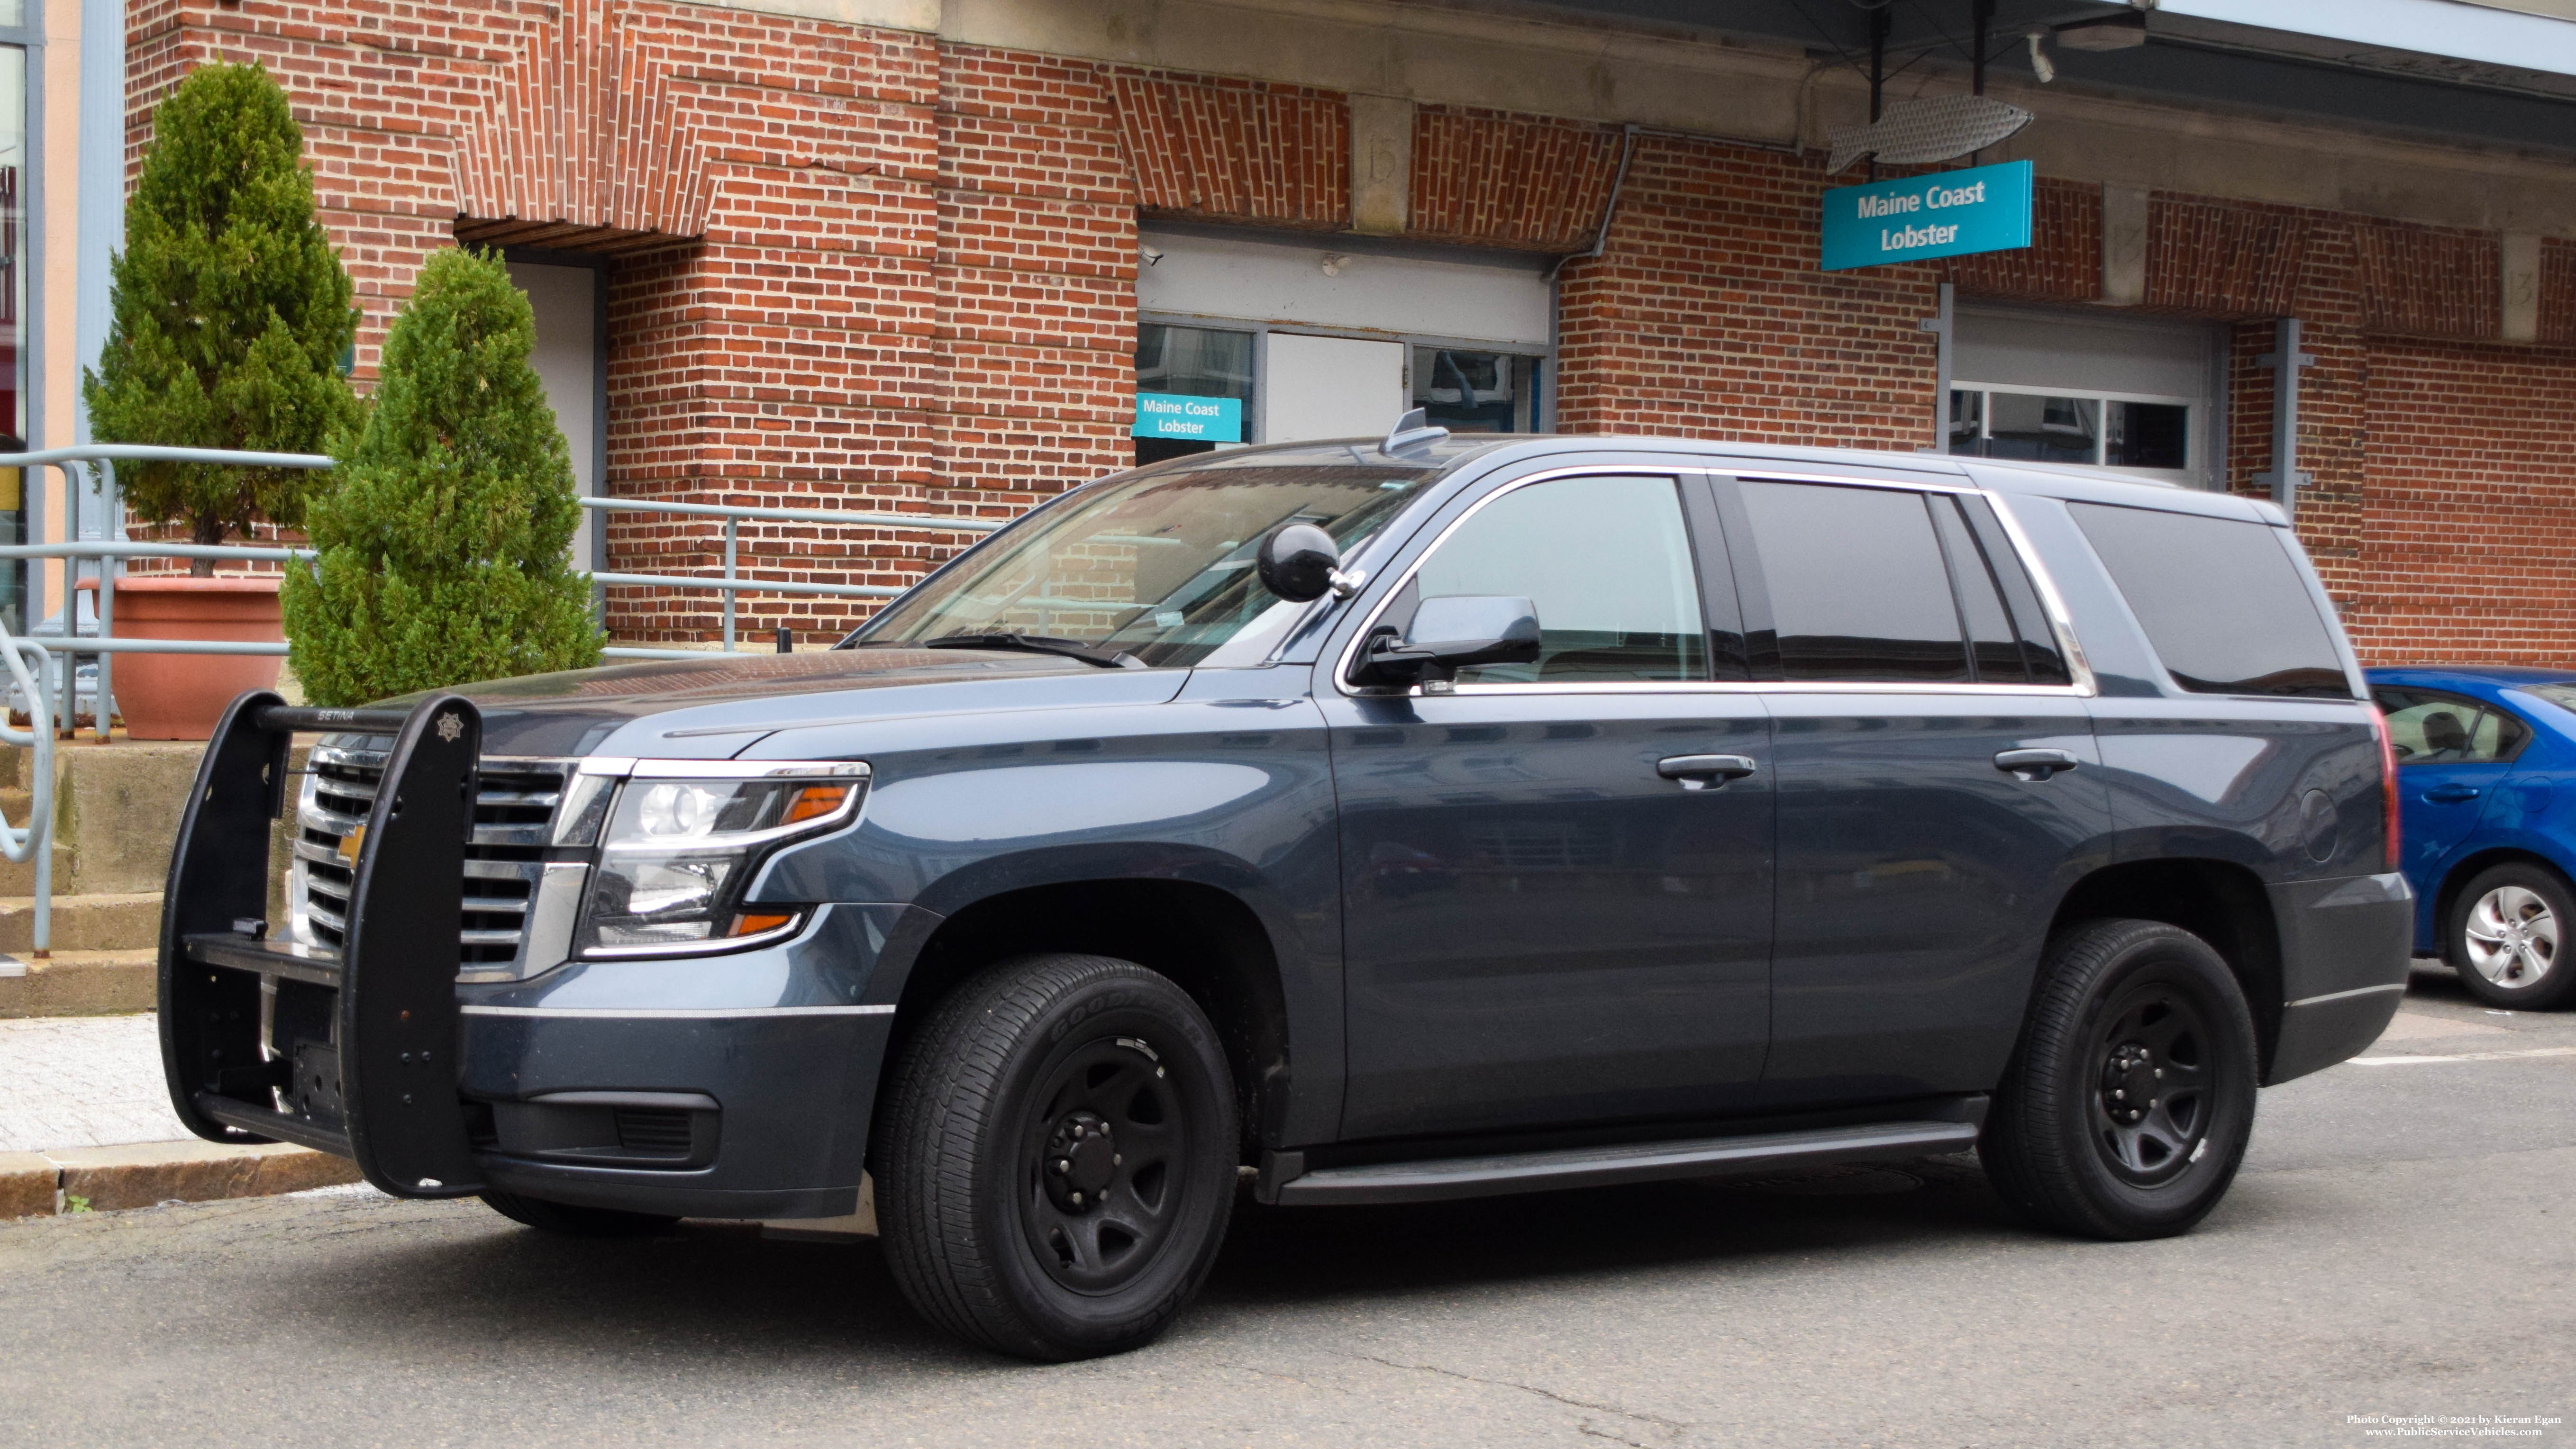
x=1056, y=1157
x=2129, y=1100
x=568, y=1220
x=2503, y=936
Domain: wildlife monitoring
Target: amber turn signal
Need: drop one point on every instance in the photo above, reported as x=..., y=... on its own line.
x=814, y=802
x=748, y=924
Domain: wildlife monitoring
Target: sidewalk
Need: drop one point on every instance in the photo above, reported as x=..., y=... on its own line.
x=82, y=1081
x=85, y=1123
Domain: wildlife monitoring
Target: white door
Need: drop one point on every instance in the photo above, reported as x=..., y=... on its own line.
x=567, y=360
x=1330, y=387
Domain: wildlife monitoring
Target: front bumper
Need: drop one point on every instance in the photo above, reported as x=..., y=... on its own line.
x=2346, y=946
x=736, y=1085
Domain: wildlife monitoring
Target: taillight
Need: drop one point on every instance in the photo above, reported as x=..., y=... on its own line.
x=2387, y=787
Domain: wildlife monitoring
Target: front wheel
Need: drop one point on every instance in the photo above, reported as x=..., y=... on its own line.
x=1057, y=1158
x=2504, y=936
x=2129, y=1100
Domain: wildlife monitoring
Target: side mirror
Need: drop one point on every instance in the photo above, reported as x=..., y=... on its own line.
x=1299, y=562
x=1450, y=633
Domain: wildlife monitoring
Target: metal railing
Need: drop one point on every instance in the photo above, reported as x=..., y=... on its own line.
x=91, y=469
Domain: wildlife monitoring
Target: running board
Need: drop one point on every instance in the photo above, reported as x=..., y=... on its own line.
x=1749, y=1156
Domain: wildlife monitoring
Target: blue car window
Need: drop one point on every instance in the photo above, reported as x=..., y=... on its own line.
x=2432, y=728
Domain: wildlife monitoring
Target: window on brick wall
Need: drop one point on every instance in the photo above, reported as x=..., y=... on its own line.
x=1477, y=392
x=1193, y=390
x=2150, y=434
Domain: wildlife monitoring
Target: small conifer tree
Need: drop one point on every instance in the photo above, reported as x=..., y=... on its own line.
x=444, y=541
x=230, y=311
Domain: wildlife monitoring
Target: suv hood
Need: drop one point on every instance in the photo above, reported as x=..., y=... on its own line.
x=712, y=709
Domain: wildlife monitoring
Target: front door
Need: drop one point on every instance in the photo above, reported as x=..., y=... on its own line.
x=1541, y=926
x=1931, y=753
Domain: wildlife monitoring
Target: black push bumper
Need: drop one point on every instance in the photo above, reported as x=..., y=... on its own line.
x=371, y=1072
x=731, y=1086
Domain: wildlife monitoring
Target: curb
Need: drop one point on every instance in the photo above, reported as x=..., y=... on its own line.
x=140, y=1174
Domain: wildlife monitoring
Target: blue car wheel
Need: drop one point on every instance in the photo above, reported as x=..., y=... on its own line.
x=2506, y=933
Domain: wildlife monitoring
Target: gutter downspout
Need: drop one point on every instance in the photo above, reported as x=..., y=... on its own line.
x=1609, y=209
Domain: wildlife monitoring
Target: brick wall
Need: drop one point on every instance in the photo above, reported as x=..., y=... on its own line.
x=2468, y=525
x=1706, y=316
x=884, y=271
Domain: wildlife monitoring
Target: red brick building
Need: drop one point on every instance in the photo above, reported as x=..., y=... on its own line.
x=906, y=254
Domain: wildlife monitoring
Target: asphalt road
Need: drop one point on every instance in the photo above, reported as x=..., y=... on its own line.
x=2402, y=1242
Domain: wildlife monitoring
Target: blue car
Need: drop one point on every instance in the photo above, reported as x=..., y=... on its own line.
x=2486, y=765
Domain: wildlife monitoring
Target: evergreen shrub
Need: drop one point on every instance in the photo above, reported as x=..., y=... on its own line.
x=230, y=311
x=444, y=541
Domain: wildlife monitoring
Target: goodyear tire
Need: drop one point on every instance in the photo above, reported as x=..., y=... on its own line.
x=2129, y=1100
x=1056, y=1160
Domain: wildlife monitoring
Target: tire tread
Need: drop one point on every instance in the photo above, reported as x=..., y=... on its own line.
x=946, y=1085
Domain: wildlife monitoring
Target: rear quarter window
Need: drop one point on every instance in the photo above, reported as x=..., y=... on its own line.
x=2220, y=600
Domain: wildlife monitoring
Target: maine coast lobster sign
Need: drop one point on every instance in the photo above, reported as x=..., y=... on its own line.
x=1942, y=214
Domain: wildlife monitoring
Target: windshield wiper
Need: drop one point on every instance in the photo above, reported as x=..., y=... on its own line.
x=1037, y=644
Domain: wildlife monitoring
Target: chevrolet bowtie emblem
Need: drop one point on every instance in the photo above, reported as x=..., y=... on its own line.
x=449, y=727
x=349, y=844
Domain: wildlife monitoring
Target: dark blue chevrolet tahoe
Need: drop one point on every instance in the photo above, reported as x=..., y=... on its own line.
x=1383, y=821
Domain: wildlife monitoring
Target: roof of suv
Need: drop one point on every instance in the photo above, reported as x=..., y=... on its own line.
x=1458, y=451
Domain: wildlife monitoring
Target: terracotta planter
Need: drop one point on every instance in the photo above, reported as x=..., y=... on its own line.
x=181, y=696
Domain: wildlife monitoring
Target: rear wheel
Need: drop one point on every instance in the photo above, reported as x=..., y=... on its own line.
x=575, y=1222
x=2130, y=1098
x=1057, y=1157
x=2505, y=933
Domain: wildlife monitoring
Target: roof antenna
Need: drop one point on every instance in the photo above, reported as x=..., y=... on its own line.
x=1412, y=431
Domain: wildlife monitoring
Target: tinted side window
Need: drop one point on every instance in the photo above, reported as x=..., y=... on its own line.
x=2429, y=728
x=1993, y=648
x=2039, y=651
x=1607, y=562
x=2220, y=600
x=1857, y=585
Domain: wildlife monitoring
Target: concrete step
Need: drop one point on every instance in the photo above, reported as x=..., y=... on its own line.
x=82, y=983
x=18, y=877
x=120, y=921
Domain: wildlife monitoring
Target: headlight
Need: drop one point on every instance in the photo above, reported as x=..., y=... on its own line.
x=682, y=838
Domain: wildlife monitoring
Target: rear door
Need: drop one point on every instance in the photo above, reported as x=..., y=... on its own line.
x=1540, y=926
x=2453, y=756
x=1934, y=763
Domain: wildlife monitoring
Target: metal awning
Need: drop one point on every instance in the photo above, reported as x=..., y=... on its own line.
x=2493, y=71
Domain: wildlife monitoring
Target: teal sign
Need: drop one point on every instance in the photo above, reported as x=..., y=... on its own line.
x=1944, y=214
x=1178, y=415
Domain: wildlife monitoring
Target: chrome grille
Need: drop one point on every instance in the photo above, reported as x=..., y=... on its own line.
x=513, y=823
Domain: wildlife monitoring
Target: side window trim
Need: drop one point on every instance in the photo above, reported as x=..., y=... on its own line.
x=1722, y=601
x=1733, y=542
x=1403, y=587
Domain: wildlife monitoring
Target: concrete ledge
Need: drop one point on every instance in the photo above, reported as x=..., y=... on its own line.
x=82, y=983
x=140, y=1174
x=27, y=1184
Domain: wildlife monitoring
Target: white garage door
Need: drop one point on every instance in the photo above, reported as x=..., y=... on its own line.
x=2138, y=395
x=1302, y=338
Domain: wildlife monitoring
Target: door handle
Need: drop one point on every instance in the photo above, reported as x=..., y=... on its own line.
x=1700, y=772
x=2035, y=764
x=2452, y=794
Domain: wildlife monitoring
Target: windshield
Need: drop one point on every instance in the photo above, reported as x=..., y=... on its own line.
x=1160, y=567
